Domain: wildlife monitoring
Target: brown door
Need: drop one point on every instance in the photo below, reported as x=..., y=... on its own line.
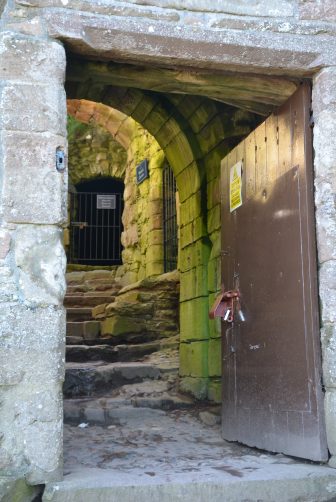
x=272, y=391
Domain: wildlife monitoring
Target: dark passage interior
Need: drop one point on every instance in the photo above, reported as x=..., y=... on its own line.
x=95, y=222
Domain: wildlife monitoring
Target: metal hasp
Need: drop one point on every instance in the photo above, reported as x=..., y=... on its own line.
x=272, y=390
x=226, y=305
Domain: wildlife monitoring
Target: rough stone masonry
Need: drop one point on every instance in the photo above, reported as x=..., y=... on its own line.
x=291, y=38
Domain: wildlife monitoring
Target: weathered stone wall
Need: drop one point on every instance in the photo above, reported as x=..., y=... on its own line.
x=324, y=109
x=93, y=152
x=32, y=262
x=295, y=38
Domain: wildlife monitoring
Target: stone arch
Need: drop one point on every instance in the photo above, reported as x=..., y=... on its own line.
x=130, y=134
x=184, y=154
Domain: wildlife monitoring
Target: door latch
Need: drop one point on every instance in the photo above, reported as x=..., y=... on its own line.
x=226, y=306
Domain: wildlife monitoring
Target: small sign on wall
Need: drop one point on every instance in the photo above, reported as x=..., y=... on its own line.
x=106, y=201
x=236, y=186
x=142, y=172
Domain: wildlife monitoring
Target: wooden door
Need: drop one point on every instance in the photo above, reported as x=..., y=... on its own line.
x=272, y=391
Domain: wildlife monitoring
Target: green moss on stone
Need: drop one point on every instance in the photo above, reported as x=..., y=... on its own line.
x=215, y=390
x=214, y=358
x=194, y=359
x=194, y=319
x=197, y=387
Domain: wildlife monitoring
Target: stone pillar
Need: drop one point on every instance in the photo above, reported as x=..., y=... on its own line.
x=324, y=110
x=33, y=200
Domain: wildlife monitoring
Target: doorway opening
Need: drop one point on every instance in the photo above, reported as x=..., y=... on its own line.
x=96, y=208
x=166, y=376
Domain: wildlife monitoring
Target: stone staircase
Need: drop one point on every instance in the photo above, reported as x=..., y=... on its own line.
x=122, y=347
x=85, y=291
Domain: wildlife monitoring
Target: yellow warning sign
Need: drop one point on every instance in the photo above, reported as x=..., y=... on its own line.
x=236, y=186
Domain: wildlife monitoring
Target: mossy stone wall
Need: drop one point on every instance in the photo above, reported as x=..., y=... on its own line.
x=94, y=152
x=193, y=134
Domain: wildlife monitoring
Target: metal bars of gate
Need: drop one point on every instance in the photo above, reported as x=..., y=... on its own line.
x=170, y=241
x=95, y=228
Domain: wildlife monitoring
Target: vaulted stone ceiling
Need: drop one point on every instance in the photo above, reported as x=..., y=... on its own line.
x=259, y=94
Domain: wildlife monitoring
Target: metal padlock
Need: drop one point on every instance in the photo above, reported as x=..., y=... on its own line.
x=227, y=315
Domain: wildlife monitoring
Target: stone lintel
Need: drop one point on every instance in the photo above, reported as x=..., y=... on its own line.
x=142, y=40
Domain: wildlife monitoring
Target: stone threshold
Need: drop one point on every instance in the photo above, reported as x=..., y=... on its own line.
x=252, y=481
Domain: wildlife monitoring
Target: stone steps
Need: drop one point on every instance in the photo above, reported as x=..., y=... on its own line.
x=78, y=314
x=87, y=300
x=100, y=351
x=86, y=330
x=97, y=378
x=106, y=411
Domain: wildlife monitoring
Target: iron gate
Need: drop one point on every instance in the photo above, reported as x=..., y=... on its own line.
x=95, y=228
x=169, y=219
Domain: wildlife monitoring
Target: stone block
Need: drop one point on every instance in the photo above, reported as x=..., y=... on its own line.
x=194, y=323
x=325, y=221
x=40, y=261
x=215, y=390
x=167, y=132
x=27, y=329
x=324, y=94
x=214, y=218
x=325, y=150
x=190, y=209
x=320, y=11
x=199, y=228
x=194, y=359
x=213, y=193
x=215, y=325
x=263, y=8
x=215, y=357
x=143, y=109
x=213, y=160
x=193, y=283
x=34, y=440
x=33, y=108
x=197, y=387
x=30, y=59
x=95, y=415
x=330, y=415
x=202, y=115
x=215, y=238
x=156, y=118
x=193, y=255
x=179, y=155
x=16, y=490
x=117, y=325
x=328, y=340
x=155, y=237
x=188, y=181
x=326, y=232
x=327, y=282
x=33, y=191
x=186, y=235
x=154, y=268
x=5, y=240
x=214, y=275
x=208, y=418
x=89, y=330
x=213, y=133
x=154, y=253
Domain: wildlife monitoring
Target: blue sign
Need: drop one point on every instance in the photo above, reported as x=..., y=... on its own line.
x=142, y=172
